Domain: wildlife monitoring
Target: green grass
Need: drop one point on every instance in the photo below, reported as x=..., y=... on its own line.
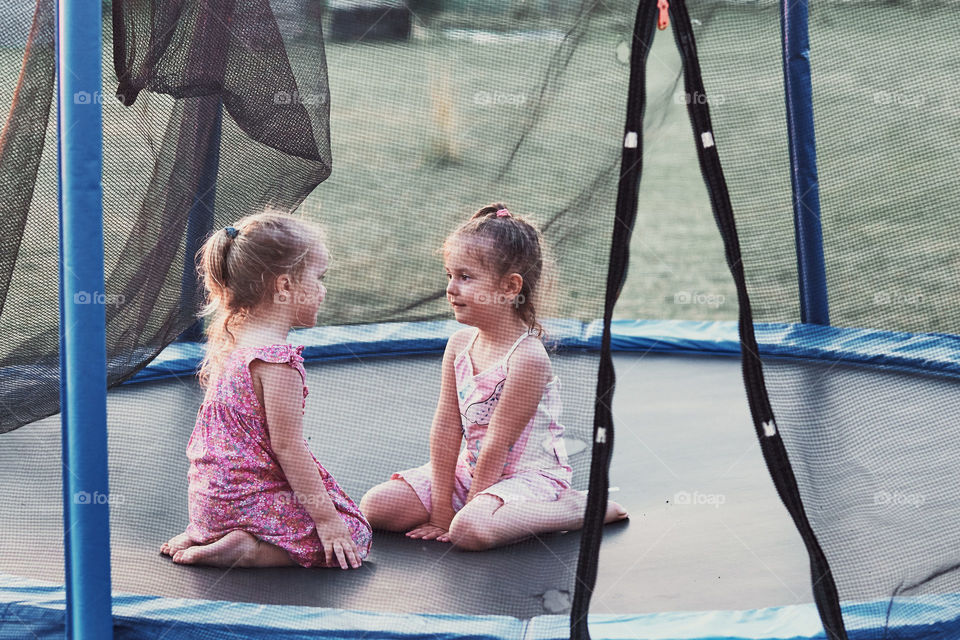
x=384, y=130
x=422, y=132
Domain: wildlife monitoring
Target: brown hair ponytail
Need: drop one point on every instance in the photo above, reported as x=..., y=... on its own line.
x=515, y=246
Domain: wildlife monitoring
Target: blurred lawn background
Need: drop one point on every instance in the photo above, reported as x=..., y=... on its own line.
x=524, y=102
x=441, y=106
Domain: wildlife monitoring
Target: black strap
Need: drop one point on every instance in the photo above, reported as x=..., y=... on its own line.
x=626, y=214
x=771, y=445
x=774, y=453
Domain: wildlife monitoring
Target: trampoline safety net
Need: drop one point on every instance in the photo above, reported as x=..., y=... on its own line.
x=868, y=445
x=389, y=124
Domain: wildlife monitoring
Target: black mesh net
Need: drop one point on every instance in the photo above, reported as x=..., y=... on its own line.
x=867, y=444
x=173, y=163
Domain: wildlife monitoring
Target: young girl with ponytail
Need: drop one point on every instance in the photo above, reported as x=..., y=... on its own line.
x=257, y=495
x=499, y=395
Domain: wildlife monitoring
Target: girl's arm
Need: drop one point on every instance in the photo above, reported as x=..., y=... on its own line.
x=281, y=390
x=528, y=374
x=446, y=434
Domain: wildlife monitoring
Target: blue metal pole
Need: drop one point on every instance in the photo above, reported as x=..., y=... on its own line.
x=83, y=366
x=811, y=270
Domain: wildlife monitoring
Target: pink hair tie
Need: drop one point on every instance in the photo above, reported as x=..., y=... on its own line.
x=503, y=213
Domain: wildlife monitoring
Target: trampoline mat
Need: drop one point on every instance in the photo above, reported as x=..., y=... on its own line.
x=707, y=530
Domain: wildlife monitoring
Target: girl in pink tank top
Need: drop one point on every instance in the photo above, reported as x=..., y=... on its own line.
x=498, y=470
x=539, y=449
x=257, y=495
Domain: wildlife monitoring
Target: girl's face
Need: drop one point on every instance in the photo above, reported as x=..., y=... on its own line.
x=309, y=292
x=478, y=296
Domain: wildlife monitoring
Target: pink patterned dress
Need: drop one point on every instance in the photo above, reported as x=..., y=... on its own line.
x=235, y=480
x=536, y=467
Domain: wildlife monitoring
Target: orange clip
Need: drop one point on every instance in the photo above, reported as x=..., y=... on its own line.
x=663, y=20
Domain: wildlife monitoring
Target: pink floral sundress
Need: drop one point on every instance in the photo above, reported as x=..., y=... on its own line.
x=235, y=480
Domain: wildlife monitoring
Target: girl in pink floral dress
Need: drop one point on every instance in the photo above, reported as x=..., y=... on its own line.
x=257, y=495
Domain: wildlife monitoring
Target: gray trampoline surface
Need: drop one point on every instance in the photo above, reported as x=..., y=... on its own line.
x=707, y=530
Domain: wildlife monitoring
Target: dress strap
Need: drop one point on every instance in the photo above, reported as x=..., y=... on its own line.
x=470, y=344
x=515, y=345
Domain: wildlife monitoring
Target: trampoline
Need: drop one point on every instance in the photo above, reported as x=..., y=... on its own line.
x=661, y=542
x=785, y=389
x=708, y=549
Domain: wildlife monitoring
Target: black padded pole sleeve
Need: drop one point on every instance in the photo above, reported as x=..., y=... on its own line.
x=771, y=444
x=626, y=213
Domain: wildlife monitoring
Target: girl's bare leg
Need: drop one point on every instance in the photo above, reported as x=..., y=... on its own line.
x=486, y=522
x=393, y=506
x=236, y=549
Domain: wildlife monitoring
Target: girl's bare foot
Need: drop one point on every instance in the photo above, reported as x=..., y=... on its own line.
x=236, y=549
x=176, y=543
x=615, y=512
x=225, y=552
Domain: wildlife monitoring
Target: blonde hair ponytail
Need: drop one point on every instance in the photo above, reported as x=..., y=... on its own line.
x=239, y=266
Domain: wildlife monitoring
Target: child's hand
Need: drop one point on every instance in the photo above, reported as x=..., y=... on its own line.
x=431, y=531
x=337, y=542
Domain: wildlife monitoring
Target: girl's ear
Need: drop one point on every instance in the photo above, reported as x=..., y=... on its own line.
x=512, y=284
x=282, y=286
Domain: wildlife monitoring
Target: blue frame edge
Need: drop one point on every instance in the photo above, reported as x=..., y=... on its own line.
x=937, y=354
x=38, y=607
